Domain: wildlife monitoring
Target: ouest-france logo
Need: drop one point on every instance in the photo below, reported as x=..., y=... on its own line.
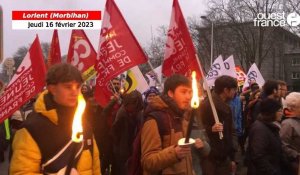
x=277, y=19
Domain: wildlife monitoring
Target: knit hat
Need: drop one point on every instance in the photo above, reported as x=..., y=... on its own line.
x=151, y=90
x=269, y=106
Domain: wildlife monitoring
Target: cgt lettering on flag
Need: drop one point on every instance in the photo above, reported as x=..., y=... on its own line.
x=82, y=54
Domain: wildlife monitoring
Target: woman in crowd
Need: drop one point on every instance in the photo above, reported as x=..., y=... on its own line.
x=150, y=94
x=290, y=130
x=264, y=151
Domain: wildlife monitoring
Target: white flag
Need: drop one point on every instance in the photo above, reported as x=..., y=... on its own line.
x=151, y=76
x=151, y=79
x=135, y=80
x=229, y=67
x=215, y=71
x=158, y=72
x=254, y=75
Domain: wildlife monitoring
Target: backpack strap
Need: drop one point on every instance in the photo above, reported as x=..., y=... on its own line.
x=161, y=123
x=134, y=162
x=157, y=117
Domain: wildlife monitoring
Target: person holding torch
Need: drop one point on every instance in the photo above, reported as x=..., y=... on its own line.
x=165, y=125
x=45, y=144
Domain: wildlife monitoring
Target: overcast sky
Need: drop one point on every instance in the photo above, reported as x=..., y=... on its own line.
x=140, y=15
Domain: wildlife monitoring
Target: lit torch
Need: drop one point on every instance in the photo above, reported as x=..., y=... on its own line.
x=122, y=90
x=194, y=104
x=77, y=131
x=195, y=99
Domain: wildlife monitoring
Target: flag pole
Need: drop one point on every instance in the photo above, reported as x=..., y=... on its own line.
x=113, y=87
x=213, y=107
x=156, y=76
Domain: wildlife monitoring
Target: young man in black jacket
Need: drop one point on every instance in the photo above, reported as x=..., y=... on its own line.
x=221, y=158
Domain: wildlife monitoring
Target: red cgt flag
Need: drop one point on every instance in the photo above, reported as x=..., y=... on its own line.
x=54, y=55
x=118, y=51
x=82, y=54
x=180, y=55
x=28, y=81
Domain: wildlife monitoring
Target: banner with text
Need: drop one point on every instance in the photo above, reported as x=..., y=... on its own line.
x=254, y=76
x=27, y=82
x=82, y=54
x=229, y=67
x=49, y=20
x=118, y=51
x=180, y=55
x=215, y=71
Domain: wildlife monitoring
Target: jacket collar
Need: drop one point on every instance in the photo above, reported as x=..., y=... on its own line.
x=220, y=104
x=165, y=103
x=50, y=109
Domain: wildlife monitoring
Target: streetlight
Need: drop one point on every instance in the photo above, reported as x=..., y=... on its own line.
x=212, y=39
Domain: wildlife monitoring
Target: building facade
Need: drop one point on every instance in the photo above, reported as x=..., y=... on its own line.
x=275, y=50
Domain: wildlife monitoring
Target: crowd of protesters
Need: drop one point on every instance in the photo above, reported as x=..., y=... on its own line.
x=260, y=123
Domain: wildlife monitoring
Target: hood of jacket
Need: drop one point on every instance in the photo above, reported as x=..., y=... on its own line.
x=165, y=103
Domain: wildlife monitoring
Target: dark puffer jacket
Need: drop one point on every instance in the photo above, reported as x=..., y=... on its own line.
x=265, y=152
x=28, y=157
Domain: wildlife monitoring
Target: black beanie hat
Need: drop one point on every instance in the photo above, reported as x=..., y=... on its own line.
x=269, y=106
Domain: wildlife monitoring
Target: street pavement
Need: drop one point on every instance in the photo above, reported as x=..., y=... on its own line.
x=242, y=170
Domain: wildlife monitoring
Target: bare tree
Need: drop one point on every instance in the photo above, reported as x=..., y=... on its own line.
x=293, y=5
x=22, y=51
x=195, y=24
x=155, y=49
x=235, y=31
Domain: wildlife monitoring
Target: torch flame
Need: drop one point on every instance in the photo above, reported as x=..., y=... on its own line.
x=77, y=129
x=195, y=99
x=122, y=90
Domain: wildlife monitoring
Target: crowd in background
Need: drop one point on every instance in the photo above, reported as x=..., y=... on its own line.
x=262, y=123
